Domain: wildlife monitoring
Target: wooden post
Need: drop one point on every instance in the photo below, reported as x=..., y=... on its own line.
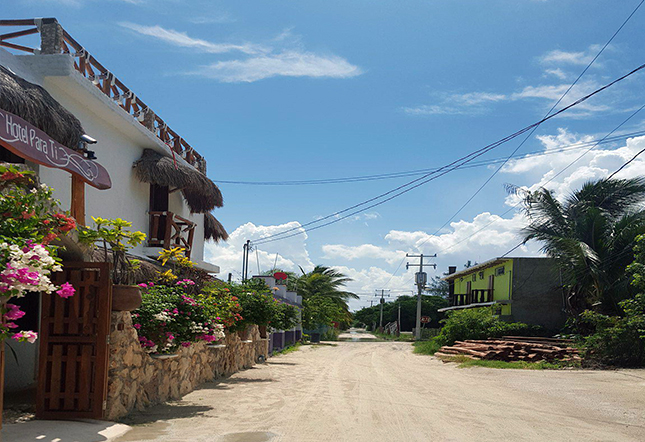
x=2, y=304
x=77, y=208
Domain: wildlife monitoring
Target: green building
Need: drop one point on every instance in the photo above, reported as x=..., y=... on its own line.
x=518, y=289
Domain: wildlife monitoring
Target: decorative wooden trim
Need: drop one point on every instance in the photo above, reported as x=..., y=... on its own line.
x=91, y=69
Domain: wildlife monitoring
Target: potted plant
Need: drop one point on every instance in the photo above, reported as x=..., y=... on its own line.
x=115, y=234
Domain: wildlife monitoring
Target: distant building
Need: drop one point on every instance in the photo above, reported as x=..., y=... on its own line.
x=517, y=289
x=278, y=339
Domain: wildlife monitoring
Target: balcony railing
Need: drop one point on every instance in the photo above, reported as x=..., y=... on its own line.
x=169, y=230
x=55, y=40
x=476, y=296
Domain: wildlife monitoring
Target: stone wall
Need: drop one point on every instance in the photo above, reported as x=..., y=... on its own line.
x=137, y=380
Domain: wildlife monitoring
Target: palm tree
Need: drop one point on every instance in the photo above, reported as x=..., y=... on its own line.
x=327, y=283
x=591, y=233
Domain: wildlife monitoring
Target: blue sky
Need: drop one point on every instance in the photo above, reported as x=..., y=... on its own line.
x=292, y=90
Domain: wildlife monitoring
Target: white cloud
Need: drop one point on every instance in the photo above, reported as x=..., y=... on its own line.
x=458, y=104
x=598, y=163
x=364, y=251
x=264, y=61
x=559, y=73
x=292, y=252
x=182, y=39
x=563, y=57
x=286, y=64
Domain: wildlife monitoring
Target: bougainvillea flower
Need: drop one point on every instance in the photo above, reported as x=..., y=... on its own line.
x=9, y=176
x=66, y=290
x=23, y=336
x=14, y=312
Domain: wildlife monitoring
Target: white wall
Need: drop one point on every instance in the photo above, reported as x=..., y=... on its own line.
x=121, y=141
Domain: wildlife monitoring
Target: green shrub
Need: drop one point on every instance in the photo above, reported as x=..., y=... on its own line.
x=427, y=347
x=168, y=319
x=616, y=340
x=285, y=317
x=331, y=334
x=479, y=323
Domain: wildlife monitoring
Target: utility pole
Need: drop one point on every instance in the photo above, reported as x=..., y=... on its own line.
x=245, y=259
x=382, y=302
x=420, y=278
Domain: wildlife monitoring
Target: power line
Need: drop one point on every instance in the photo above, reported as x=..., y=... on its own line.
x=409, y=173
x=536, y=127
x=547, y=182
x=624, y=165
x=427, y=178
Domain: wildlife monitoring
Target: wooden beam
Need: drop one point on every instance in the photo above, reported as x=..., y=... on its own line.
x=77, y=208
x=19, y=34
x=15, y=46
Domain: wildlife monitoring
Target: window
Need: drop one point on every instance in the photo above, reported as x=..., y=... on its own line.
x=499, y=271
x=481, y=275
x=474, y=277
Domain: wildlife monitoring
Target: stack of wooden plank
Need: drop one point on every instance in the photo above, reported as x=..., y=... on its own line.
x=513, y=348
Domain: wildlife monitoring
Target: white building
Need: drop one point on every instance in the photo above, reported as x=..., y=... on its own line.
x=124, y=129
x=167, y=195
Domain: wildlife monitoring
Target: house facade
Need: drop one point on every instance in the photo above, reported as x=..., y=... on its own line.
x=157, y=180
x=517, y=289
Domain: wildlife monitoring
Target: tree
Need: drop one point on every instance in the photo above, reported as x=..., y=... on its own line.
x=325, y=283
x=438, y=287
x=591, y=234
x=429, y=307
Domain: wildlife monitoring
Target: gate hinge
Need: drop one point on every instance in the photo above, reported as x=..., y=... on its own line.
x=107, y=339
x=104, y=405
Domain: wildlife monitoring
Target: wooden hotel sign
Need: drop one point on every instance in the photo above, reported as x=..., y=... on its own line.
x=29, y=142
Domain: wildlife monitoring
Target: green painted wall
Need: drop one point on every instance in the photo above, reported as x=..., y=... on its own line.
x=502, y=288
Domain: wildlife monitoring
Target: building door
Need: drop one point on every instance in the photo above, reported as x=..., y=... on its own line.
x=491, y=287
x=73, y=357
x=158, y=219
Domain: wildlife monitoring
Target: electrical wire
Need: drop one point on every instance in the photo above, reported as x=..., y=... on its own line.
x=547, y=182
x=403, y=174
x=536, y=127
x=429, y=177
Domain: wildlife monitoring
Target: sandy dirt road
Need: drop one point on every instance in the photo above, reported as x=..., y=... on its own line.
x=380, y=391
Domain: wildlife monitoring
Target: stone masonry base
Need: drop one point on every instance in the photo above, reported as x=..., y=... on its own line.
x=137, y=380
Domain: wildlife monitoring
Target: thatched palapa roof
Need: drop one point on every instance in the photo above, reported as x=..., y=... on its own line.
x=201, y=194
x=32, y=103
x=213, y=229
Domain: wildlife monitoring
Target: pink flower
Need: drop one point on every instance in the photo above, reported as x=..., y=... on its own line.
x=23, y=336
x=14, y=312
x=137, y=326
x=185, y=344
x=66, y=290
x=143, y=285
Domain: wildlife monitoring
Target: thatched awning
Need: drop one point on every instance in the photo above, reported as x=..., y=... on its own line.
x=201, y=194
x=213, y=229
x=34, y=104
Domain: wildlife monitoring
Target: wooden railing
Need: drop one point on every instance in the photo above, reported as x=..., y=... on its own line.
x=476, y=296
x=55, y=40
x=169, y=230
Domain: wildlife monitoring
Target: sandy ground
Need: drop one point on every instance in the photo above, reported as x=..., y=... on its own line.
x=381, y=391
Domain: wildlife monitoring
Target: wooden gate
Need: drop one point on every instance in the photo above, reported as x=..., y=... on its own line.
x=74, y=332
